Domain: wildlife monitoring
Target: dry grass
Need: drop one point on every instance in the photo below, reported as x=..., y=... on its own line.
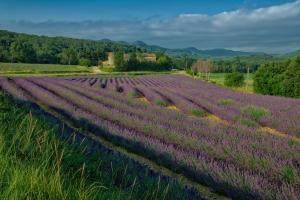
x=278, y=133
x=173, y=107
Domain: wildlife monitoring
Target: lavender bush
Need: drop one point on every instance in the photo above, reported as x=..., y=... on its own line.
x=236, y=160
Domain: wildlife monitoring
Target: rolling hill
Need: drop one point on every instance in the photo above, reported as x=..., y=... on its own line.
x=194, y=52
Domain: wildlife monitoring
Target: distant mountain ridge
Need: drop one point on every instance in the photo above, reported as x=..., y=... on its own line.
x=291, y=54
x=109, y=45
x=194, y=52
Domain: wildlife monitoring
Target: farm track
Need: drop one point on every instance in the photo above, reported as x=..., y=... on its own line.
x=200, y=139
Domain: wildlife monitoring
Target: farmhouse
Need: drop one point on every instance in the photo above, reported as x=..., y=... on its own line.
x=151, y=57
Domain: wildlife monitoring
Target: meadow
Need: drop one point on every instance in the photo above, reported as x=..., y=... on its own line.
x=23, y=69
x=55, y=70
x=219, y=78
x=240, y=145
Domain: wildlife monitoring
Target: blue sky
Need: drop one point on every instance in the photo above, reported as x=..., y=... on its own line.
x=78, y=10
x=250, y=25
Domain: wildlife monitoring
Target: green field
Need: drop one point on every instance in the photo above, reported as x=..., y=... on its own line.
x=22, y=69
x=218, y=78
x=40, y=69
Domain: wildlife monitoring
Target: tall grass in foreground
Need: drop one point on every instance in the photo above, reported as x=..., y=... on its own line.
x=36, y=164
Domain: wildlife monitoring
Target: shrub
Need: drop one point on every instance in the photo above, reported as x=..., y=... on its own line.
x=119, y=61
x=119, y=89
x=198, y=113
x=225, y=102
x=291, y=79
x=268, y=79
x=85, y=62
x=135, y=94
x=161, y=103
x=189, y=72
x=248, y=123
x=234, y=79
x=254, y=112
x=100, y=63
x=288, y=174
x=281, y=78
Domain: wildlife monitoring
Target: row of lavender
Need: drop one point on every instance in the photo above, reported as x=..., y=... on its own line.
x=282, y=114
x=235, y=160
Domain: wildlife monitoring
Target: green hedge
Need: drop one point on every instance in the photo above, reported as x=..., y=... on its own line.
x=234, y=79
x=281, y=78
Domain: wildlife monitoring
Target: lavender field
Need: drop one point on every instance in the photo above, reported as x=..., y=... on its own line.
x=244, y=146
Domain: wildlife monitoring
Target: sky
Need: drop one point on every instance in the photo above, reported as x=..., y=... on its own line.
x=247, y=25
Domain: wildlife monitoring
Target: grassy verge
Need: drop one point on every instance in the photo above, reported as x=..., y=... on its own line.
x=38, y=68
x=218, y=78
x=23, y=70
x=37, y=164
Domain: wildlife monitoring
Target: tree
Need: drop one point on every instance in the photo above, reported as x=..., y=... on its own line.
x=268, y=79
x=47, y=54
x=22, y=52
x=203, y=66
x=85, y=62
x=4, y=55
x=68, y=56
x=235, y=79
x=119, y=61
x=42, y=49
x=164, y=62
x=291, y=79
x=133, y=62
x=100, y=63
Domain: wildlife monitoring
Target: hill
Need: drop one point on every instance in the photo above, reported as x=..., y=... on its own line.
x=291, y=54
x=196, y=53
x=25, y=48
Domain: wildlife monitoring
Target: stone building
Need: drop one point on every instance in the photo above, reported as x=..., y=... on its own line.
x=110, y=59
x=151, y=57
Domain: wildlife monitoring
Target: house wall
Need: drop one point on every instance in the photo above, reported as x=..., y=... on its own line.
x=151, y=57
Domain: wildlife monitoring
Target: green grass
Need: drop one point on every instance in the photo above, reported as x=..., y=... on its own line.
x=37, y=164
x=198, y=113
x=226, y=102
x=135, y=94
x=219, y=78
x=23, y=69
x=161, y=103
x=254, y=112
x=140, y=73
x=26, y=69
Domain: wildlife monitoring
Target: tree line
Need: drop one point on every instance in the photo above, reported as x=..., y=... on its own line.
x=24, y=48
x=279, y=78
x=137, y=63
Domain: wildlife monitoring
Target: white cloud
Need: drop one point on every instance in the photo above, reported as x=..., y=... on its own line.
x=271, y=29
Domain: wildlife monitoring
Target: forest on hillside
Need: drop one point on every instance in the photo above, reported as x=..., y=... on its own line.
x=24, y=48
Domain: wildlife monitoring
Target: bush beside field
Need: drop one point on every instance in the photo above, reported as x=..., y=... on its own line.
x=279, y=78
x=219, y=79
x=234, y=79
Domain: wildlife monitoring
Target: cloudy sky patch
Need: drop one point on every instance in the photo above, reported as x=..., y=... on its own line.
x=272, y=29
